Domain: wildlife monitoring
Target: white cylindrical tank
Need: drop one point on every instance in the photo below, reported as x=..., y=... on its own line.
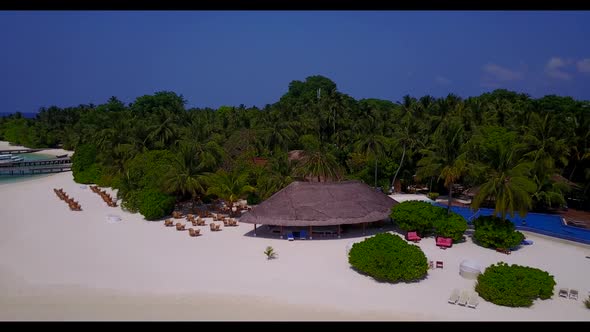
x=469, y=269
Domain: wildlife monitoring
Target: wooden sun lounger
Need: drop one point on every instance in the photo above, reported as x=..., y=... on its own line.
x=192, y=232
x=564, y=292
x=454, y=296
x=574, y=294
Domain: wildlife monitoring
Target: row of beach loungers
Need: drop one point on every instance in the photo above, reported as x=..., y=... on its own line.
x=200, y=222
x=74, y=205
x=105, y=197
x=464, y=298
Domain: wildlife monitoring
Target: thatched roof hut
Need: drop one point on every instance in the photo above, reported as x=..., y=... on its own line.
x=321, y=204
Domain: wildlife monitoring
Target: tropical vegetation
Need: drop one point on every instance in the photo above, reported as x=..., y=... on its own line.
x=387, y=257
x=514, y=285
x=494, y=232
x=521, y=153
x=426, y=218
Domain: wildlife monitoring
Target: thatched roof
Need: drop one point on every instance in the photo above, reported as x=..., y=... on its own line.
x=321, y=204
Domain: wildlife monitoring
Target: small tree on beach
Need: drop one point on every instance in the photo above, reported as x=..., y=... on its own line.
x=270, y=253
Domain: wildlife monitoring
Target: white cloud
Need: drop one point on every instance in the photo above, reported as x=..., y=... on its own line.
x=583, y=66
x=554, y=68
x=442, y=80
x=499, y=73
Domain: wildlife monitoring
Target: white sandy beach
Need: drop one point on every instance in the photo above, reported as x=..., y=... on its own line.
x=57, y=264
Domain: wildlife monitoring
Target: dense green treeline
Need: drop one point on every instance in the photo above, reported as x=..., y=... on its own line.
x=522, y=153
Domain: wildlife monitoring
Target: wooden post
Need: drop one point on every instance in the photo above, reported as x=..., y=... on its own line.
x=310, y=236
x=338, y=231
x=281, y=231
x=254, y=229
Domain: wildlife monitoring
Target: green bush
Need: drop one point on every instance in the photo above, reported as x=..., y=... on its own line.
x=154, y=204
x=587, y=302
x=89, y=175
x=84, y=166
x=453, y=226
x=433, y=196
x=415, y=216
x=146, y=169
x=387, y=257
x=424, y=218
x=514, y=285
x=493, y=232
x=131, y=201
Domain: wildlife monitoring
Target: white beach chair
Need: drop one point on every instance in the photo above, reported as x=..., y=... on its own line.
x=563, y=292
x=463, y=298
x=473, y=300
x=454, y=296
x=574, y=294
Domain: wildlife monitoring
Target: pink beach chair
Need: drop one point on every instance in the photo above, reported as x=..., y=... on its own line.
x=444, y=242
x=413, y=236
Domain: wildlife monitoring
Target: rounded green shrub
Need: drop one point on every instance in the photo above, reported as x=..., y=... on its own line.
x=425, y=218
x=452, y=225
x=494, y=232
x=154, y=204
x=387, y=257
x=587, y=302
x=514, y=285
x=433, y=196
x=415, y=216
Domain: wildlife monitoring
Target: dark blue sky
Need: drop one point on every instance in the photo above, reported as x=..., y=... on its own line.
x=218, y=58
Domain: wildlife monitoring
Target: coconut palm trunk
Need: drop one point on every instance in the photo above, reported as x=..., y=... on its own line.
x=399, y=167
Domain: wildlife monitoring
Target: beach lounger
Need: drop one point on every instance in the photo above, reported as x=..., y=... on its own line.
x=439, y=264
x=463, y=298
x=473, y=300
x=454, y=296
x=563, y=292
x=444, y=242
x=574, y=294
x=413, y=236
x=290, y=236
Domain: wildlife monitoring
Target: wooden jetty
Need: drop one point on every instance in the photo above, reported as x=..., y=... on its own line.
x=41, y=166
x=20, y=151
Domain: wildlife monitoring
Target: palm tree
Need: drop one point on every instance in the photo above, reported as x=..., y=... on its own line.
x=507, y=182
x=184, y=175
x=373, y=143
x=442, y=157
x=164, y=131
x=545, y=152
x=318, y=163
x=228, y=186
x=406, y=135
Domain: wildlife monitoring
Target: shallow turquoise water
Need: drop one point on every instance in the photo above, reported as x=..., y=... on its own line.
x=4, y=179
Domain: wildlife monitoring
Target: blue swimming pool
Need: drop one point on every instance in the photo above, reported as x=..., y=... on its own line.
x=546, y=224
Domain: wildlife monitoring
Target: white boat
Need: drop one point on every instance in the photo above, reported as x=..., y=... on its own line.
x=8, y=158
